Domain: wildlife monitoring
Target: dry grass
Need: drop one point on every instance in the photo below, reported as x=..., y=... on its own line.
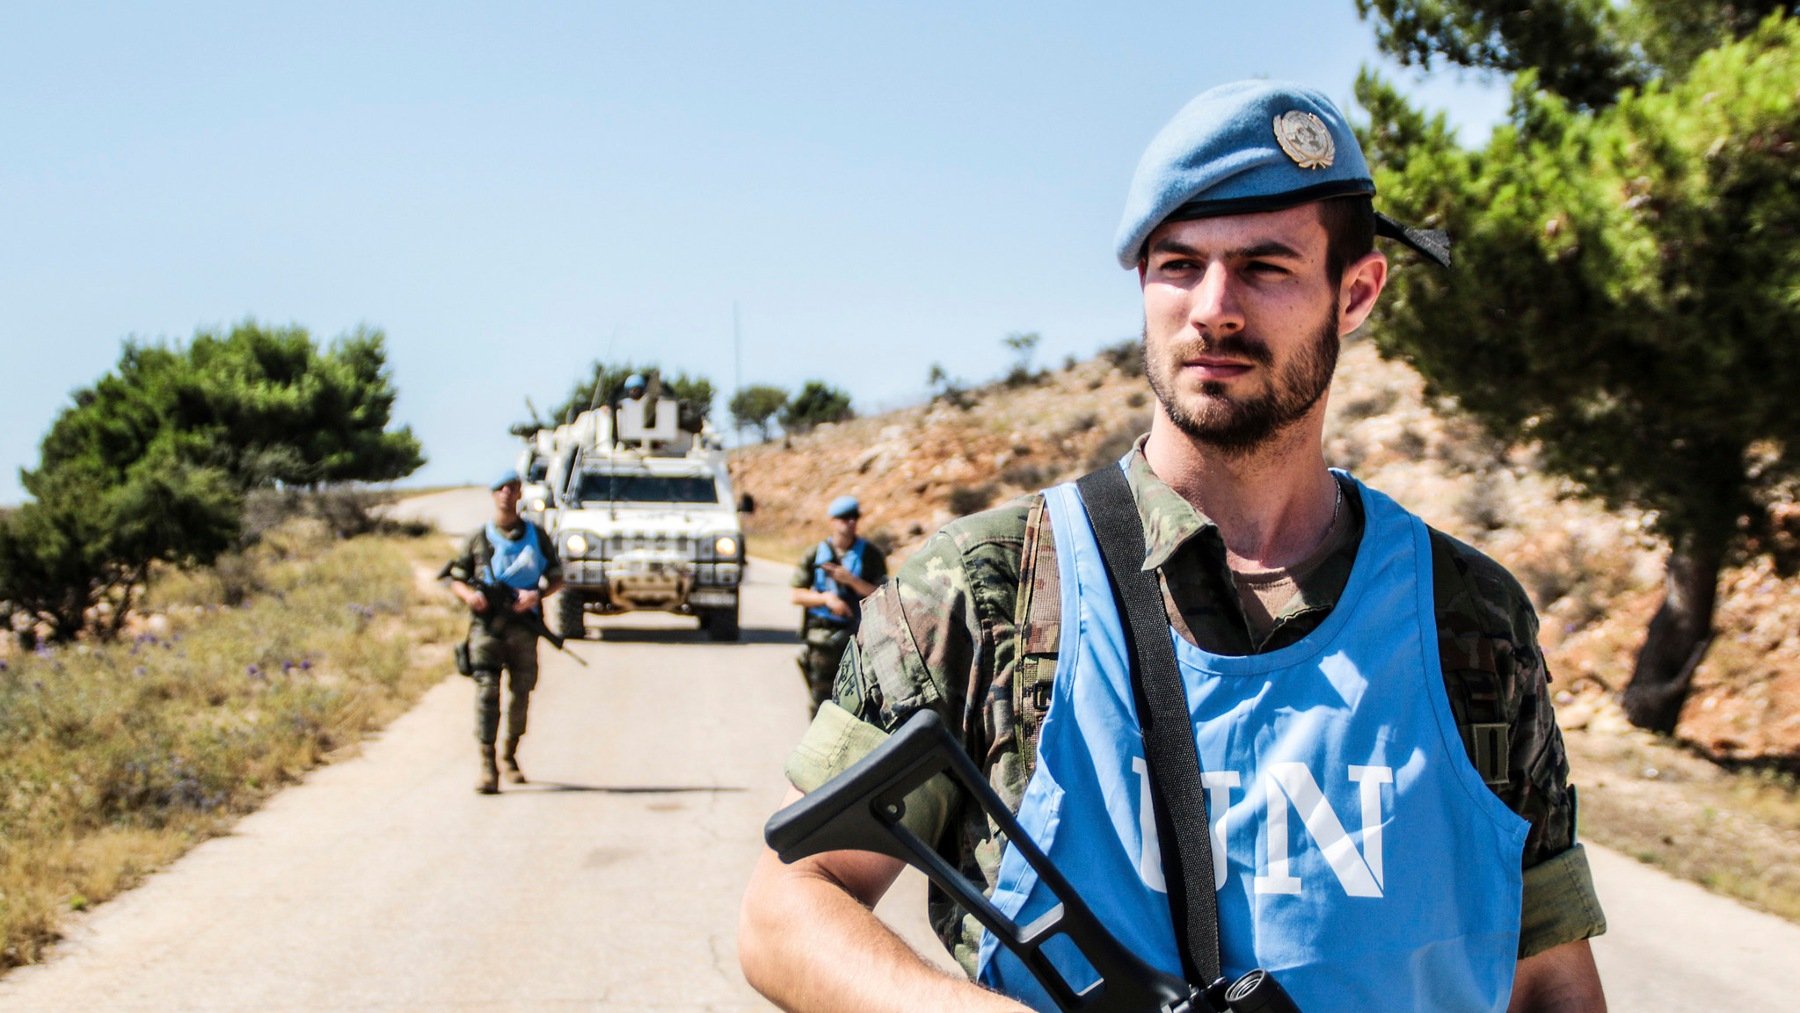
x=115, y=758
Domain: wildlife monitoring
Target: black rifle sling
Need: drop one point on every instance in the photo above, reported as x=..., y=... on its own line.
x=1169, y=750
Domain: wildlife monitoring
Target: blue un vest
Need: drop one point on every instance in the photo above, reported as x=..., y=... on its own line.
x=853, y=561
x=516, y=563
x=1357, y=854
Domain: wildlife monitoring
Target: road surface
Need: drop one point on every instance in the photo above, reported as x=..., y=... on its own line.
x=384, y=882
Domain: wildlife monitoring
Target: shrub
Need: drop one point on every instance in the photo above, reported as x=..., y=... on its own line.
x=967, y=499
x=1117, y=442
x=1378, y=402
x=1127, y=355
x=757, y=405
x=267, y=509
x=1081, y=423
x=1025, y=475
x=347, y=511
x=238, y=578
x=1020, y=376
x=817, y=404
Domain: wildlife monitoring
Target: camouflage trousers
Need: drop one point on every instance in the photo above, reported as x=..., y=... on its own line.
x=821, y=649
x=515, y=650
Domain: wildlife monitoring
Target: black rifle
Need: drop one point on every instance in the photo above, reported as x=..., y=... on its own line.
x=500, y=599
x=861, y=810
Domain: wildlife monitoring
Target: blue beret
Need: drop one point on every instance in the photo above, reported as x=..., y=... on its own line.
x=507, y=477
x=844, y=506
x=1251, y=146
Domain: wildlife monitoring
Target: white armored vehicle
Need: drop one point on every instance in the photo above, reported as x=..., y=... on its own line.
x=644, y=518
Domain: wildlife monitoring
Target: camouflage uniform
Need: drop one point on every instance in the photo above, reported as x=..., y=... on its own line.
x=822, y=644
x=956, y=632
x=496, y=641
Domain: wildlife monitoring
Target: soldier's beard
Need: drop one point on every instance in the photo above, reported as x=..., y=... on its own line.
x=1237, y=426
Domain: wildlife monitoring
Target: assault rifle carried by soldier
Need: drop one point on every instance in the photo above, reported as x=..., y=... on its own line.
x=499, y=613
x=862, y=810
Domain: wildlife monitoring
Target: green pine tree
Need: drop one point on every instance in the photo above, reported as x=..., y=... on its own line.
x=1627, y=284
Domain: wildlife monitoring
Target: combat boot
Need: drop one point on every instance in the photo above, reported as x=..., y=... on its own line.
x=511, y=759
x=490, y=775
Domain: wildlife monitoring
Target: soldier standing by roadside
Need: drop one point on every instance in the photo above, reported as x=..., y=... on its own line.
x=1334, y=656
x=505, y=571
x=831, y=582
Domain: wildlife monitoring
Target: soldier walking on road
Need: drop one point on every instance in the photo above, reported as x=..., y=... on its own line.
x=831, y=582
x=505, y=571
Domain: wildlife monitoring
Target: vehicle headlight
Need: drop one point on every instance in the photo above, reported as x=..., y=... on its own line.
x=537, y=504
x=577, y=545
x=725, y=545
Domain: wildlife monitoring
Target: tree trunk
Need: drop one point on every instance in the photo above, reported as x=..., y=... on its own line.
x=1680, y=632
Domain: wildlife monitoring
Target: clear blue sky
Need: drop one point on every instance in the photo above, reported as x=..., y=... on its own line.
x=511, y=191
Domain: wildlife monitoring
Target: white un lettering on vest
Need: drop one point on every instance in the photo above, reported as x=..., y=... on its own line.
x=1285, y=787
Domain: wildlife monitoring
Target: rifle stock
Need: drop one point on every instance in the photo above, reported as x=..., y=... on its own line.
x=862, y=809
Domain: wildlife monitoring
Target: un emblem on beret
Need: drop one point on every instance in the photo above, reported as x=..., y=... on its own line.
x=1305, y=139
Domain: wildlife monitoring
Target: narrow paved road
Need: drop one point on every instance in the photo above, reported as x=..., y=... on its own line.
x=612, y=881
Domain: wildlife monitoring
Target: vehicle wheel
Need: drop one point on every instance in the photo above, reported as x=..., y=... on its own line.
x=570, y=623
x=721, y=624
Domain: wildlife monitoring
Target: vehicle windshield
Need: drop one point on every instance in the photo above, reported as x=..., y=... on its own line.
x=537, y=470
x=595, y=487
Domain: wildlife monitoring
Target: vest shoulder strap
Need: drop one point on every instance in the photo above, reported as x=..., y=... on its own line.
x=1170, y=753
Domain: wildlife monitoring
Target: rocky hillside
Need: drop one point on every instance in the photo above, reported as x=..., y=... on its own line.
x=1595, y=576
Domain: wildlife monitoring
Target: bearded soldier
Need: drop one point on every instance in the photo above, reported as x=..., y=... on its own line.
x=1381, y=778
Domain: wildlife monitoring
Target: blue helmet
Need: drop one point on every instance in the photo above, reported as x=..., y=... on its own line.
x=1252, y=146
